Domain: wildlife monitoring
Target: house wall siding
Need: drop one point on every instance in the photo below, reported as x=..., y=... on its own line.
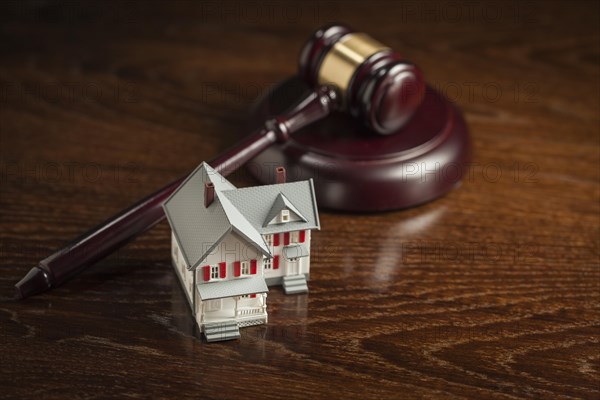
x=232, y=248
x=272, y=274
x=186, y=277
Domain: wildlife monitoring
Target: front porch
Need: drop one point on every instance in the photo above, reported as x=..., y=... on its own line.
x=244, y=310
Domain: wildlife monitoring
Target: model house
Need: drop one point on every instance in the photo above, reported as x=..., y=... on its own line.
x=228, y=244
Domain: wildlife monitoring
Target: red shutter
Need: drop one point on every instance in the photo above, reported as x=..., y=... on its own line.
x=286, y=238
x=253, y=295
x=276, y=262
x=302, y=236
x=253, y=267
x=206, y=269
x=275, y=239
x=236, y=268
x=222, y=270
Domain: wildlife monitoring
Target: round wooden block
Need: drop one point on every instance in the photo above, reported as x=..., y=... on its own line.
x=355, y=169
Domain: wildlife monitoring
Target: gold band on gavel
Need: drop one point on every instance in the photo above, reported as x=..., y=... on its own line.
x=340, y=63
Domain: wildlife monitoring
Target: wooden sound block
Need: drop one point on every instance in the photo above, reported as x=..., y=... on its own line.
x=355, y=169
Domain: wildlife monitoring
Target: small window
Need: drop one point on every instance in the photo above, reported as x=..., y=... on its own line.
x=213, y=305
x=268, y=263
x=285, y=215
x=294, y=237
x=214, y=272
x=269, y=240
x=245, y=268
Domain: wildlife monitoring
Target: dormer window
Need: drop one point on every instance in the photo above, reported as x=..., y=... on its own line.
x=283, y=212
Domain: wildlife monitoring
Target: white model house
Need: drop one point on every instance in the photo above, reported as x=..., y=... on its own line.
x=228, y=244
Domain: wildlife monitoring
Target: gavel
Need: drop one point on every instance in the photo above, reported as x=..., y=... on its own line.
x=349, y=71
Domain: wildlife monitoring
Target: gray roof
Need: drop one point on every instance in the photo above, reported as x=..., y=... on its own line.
x=198, y=229
x=236, y=287
x=295, y=251
x=255, y=203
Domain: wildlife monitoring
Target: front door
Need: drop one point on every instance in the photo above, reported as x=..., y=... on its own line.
x=293, y=266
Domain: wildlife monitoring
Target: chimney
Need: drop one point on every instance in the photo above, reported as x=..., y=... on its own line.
x=280, y=175
x=209, y=194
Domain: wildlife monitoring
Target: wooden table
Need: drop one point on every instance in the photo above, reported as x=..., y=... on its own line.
x=489, y=292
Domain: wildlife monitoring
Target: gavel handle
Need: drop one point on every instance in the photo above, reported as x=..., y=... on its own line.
x=123, y=227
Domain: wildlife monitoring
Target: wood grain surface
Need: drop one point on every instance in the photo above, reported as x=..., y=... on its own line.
x=490, y=292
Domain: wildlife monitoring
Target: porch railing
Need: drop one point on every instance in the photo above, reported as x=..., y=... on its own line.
x=244, y=311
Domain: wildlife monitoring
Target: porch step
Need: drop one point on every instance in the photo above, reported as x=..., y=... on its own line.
x=220, y=331
x=295, y=284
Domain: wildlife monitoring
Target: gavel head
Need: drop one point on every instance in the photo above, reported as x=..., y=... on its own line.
x=375, y=83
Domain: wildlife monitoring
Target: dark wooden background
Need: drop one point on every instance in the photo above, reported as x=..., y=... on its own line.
x=490, y=292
